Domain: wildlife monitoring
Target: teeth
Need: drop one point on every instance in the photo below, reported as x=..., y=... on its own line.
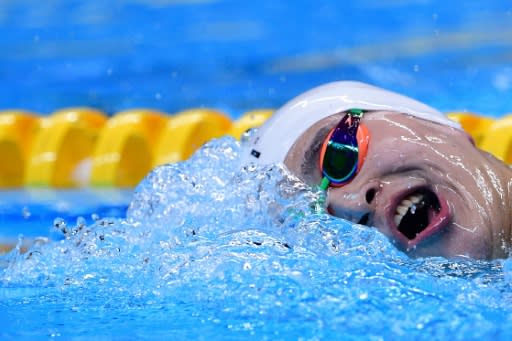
x=406, y=202
x=416, y=198
x=404, y=206
x=402, y=209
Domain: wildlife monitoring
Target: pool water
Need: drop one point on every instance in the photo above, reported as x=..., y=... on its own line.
x=31, y=212
x=177, y=54
x=204, y=249
x=209, y=250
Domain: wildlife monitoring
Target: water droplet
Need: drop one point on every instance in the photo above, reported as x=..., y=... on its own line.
x=80, y=222
x=246, y=136
x=59, y=224
x=26, y=213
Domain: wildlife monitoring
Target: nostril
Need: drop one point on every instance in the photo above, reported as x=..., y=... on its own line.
x=370, y=194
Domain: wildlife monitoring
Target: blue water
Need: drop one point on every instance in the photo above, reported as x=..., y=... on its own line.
x=239, y=55
x=211, y=251
x=31, y=212
x=204, y=249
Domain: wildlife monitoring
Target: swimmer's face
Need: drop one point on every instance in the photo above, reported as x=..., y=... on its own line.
x=424, y=185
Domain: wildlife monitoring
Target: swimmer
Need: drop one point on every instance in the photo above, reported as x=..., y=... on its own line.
x=390, y=162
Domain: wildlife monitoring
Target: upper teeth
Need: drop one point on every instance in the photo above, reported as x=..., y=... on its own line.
x=403, y=207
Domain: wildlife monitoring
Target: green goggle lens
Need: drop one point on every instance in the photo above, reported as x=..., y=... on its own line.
x=340, y=162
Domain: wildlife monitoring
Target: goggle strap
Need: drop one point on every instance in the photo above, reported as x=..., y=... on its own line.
x=324, y=184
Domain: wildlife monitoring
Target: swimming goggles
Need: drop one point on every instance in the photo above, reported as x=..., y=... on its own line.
x=344, y=150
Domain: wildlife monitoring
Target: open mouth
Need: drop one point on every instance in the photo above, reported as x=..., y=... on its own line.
x=419, y=215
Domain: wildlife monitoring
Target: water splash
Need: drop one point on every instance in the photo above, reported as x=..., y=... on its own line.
x=212, y=248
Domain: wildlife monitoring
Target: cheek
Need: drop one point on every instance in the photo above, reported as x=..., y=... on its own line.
x=472, y=229
x=475, y=244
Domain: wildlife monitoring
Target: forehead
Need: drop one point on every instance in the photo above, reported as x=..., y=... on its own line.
x=382, y=124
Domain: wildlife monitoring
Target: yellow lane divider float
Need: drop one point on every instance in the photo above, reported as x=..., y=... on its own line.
x=124, y=151
x=63, y=145
x=84, y=147
x=16, y=131
x=187, y=131
x=250, y=119
x=492, y=135
x=498, y=139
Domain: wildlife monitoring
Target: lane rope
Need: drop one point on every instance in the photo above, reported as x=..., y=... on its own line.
x=79, y=147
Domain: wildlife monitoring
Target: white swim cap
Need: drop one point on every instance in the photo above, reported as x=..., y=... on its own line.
x=272, y=141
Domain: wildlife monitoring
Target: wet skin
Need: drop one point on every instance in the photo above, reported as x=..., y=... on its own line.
x=459, y=194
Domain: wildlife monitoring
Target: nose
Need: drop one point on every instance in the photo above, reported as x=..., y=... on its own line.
x=353, y=203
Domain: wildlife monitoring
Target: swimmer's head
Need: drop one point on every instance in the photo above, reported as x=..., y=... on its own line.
x=422, y=183
x=273, y=140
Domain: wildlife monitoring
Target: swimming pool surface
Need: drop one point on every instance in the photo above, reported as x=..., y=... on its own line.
x=203, y=249
x=211, y=251
x=176, y=54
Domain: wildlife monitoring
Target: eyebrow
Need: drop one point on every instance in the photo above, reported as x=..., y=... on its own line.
x=313, y=151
